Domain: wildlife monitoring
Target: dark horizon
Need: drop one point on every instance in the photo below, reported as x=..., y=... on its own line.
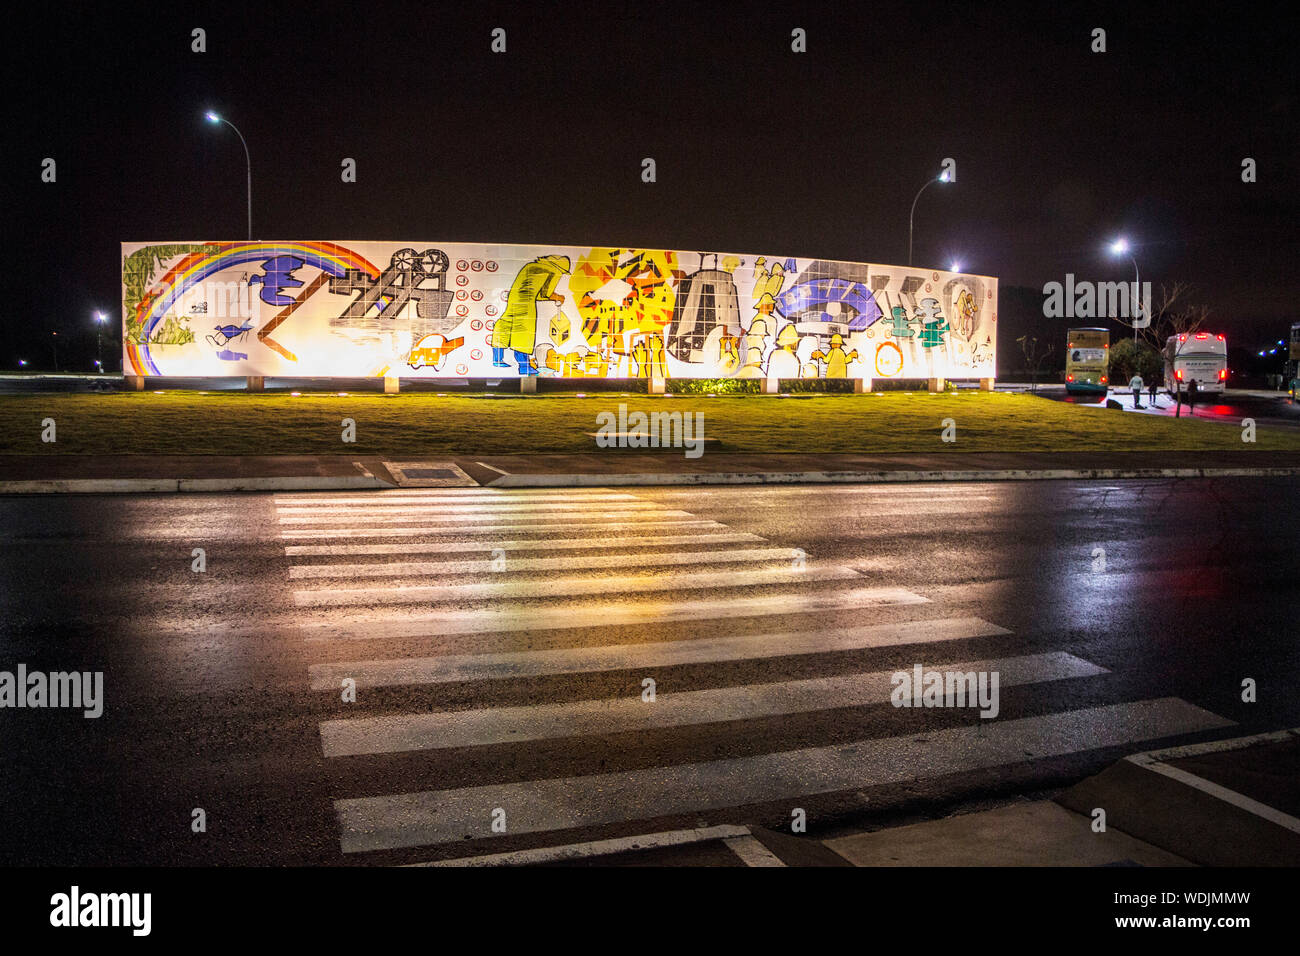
x=758, y=150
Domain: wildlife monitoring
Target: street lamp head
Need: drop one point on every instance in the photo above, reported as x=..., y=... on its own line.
x=956, y=267
x=943, y=176
x=100, y=317
x=212, y=117
x=1119, y=247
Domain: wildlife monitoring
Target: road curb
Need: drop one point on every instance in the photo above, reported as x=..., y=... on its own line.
x=135, y=486
x=1188, y=815
x=102, y=486
x=876, y=477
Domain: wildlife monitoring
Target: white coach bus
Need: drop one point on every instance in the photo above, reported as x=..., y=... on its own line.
x=1196, y=356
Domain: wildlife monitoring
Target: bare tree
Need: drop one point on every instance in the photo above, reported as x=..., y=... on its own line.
x=1034, y=359
x=1172, y=315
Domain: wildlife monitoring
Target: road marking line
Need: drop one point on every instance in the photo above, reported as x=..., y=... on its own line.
x=538, y=544
x=751, y=852
x=399, y=515
x=468, y=493
x=567, y=587
x=444, y=816
x=408, y=501
x=514, y=527
x=1219, y=792
x=593, y=848
x=399, y=733
x=609, y=559
x=451, y=668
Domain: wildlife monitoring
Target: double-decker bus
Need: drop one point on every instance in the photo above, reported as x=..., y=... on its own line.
x=1196, y=356
x=1087, y=360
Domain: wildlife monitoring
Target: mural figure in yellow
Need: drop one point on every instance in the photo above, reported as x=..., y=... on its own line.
x=728, y=351
x=756, y=338
x=517, y=328
x=784, y=363
x=837, y=362
x=767, y=282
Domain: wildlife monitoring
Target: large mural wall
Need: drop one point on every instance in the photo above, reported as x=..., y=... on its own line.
x=460, y=310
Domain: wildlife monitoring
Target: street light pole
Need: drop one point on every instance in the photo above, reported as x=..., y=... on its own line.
x=99, y=340
x=54, y=344
x=941, y=178
x=248, y=166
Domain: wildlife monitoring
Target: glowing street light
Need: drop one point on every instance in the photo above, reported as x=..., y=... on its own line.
x=214, y=119
x=941, y=178
x=956, y=267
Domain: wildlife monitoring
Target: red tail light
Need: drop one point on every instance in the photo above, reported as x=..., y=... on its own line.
x=1103, y=380
x=1223, y=374
x=1069, y=378
x=1202, y=335
x=1220, y=338
x=1179, y=375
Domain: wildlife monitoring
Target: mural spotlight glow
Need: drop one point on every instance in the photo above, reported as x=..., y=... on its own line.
x=1119, y=247
x=955, y=267
x=212, y=117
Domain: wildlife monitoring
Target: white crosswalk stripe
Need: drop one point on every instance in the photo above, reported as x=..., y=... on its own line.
x=567, y=563
x=447, y=668
x=478, y=728
x=432, y=817
x=497, y=572
x=392, y=622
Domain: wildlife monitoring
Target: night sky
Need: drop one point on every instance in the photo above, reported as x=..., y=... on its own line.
x=759, y=150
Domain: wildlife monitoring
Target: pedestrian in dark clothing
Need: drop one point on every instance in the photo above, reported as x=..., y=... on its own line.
x=1152, y=390
x=1192, y=389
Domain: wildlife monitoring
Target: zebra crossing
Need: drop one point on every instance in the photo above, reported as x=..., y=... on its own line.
x=527, y=589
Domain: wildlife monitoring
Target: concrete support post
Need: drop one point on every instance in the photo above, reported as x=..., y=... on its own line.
x=771, y=386
x=528, y=385
x=135, y=382
x=255, y=383
x=392, y=384
x=861, y=386
x=656, y=386
x=986, y=385
x=936, y=384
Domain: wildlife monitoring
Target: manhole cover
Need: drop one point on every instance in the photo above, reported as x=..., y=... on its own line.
x=429, y=474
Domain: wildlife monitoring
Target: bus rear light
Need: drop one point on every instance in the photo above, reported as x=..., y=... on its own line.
x=1223, y=374
x=1069, y=378
x=1202, y=335
x=1179, y=375
x=1103, y=380
x=1220, y=337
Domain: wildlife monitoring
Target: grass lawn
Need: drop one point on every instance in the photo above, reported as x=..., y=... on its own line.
x=236, y=423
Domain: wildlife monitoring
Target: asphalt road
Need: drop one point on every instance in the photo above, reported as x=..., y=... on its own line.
x=507, y=686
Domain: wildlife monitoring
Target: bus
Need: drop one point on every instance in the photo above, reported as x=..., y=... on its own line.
x=1293, y=363
x=1087, y=360
x=1199, y=356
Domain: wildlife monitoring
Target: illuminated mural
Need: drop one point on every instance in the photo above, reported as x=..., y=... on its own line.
x=458, y=310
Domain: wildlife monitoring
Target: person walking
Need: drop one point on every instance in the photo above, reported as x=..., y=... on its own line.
x=1151, y=391
x=1135, y=383
x=1192, y=389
